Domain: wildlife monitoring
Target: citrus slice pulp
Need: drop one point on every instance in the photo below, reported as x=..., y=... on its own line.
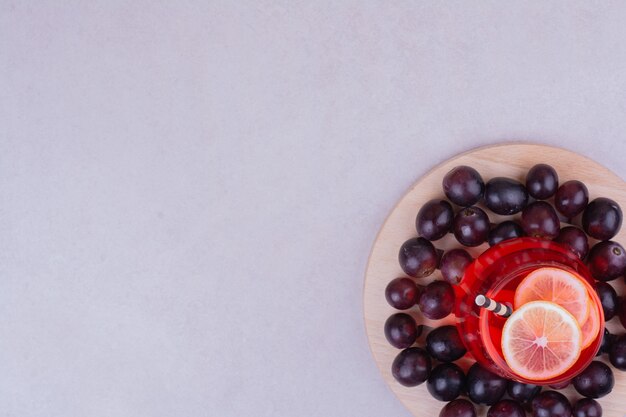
x=591, y=327
x=558, y=286
x=541, y=340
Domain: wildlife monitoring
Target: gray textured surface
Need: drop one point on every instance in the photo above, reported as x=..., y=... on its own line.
x=189, y=192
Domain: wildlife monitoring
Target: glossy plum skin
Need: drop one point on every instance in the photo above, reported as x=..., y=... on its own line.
x=542, y=181
x=587, y=407
x=540, y=220
x=504, y=231
x=522, y=392
x=607, y=261
x=561, y=385
x=607, y=342
x=453, y=264
x=621, y=311
x=446, y=382
x=401, y=293
x=458, y=408
x=483, y=386
x=401, y=330
x=506, y=408
x=437, y=300
x=411, y=367
x=617, y=353
x=571, y=198
x=575, y=239
x=602, y=218
x=463, y=186
x=505, y=196
x=444, y=344
x=471, y=226
x=551, y=404
x=418, y=257
x=608, y=299
x=595, y=381
x=434, y=219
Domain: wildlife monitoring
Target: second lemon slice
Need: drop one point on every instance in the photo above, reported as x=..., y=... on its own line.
x=558, y=286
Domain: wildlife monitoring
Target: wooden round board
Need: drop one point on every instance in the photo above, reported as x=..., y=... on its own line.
x=509, y=160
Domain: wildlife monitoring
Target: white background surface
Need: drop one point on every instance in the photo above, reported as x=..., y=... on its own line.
x=189, y=190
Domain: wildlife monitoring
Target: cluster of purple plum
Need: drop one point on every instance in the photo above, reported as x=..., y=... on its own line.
x=544, y=206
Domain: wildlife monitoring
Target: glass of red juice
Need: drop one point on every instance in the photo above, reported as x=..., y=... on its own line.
x=496, y=274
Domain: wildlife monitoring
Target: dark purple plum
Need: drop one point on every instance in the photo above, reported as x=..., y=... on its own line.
x=522, y=392
x=458, y=408
x=571, y=198
x=595, y=381
x=617, y=353
x=401, y=293
x=621, y=311
x=561, y=385
x=463, y=186
x=471, y=226
x=542, y=181
x=607, y=261
x=607, y=342
x=444, y=344
x=483, y=386
x=505, y=196
x=437, y=300
x=505, y=231
x=551, y=404
x=453, y=264
x=401, y=330
x=506, y=408
x=540, y=220
x=602, y=218
x=575, y=240
x=446, y=382
x=587, y=407
x=418, y=257
x=608, y=298
x=434, y=219
x=411, y=367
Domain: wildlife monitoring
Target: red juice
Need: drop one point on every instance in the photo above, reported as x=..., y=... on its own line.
x=496, y=274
